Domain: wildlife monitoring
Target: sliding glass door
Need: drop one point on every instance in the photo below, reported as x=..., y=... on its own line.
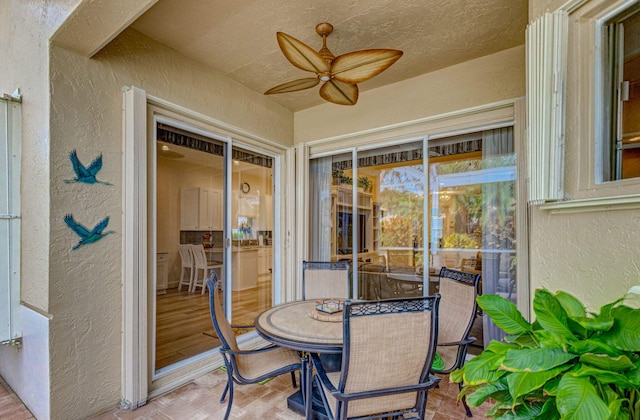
x=399, y=213
x=213, y=210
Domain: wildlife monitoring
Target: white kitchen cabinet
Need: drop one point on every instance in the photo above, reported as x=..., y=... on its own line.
x=200, y=209
x=264, y=261
x=266, y=213
x=245, y=268
x=162, y=272
x=210, y=210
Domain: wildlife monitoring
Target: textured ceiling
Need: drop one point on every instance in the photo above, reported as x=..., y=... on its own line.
x=238, y=37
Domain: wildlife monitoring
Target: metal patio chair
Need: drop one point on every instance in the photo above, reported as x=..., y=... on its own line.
x=458, y=310
x=246, y=366
x=388, y=350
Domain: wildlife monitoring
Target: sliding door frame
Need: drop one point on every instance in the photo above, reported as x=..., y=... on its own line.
x=139, y=114
x=485, y=117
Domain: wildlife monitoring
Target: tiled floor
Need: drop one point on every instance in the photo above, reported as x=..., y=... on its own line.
x=200, y=400
x=10, y=405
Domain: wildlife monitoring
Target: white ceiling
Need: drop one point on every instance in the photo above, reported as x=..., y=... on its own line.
x=238, y=37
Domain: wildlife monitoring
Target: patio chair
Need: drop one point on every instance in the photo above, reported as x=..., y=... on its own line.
x=322, y=280
x=388, y=350
x=458, y=310
x=246, y=366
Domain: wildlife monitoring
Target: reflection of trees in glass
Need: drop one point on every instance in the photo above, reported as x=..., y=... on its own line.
x=485, y=212
x=402, y=197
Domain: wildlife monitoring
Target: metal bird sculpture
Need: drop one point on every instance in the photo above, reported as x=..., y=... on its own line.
x=84, y=174
x=86, y=236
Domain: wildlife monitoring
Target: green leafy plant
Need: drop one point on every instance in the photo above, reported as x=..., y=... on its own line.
x=365, y=183
x=568, y=364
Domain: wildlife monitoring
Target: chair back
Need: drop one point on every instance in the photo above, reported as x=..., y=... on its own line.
x=458, y=309
x=186, y=257
x=322, y=280
x=389, y=344
x=199, y=256
x=220, y=323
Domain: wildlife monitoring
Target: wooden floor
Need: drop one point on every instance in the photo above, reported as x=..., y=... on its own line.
x=183, y=321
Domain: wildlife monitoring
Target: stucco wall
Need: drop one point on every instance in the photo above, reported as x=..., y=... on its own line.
x=485, y=80
x=86, y=114
x=25, y=30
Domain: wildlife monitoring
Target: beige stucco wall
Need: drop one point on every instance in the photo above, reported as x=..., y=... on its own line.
x=86, y=114
x=24, y=32
x=485, y=80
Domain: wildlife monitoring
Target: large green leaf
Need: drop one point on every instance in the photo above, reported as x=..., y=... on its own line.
x=483, y=369
x=634, y=375
x=603, y=361
x=535, y=360
x=525, y=411
x=615, y=407
x=605, y=310
x=571, y=305
x=602, y=376
x=504, y=314
x=603, y=323
x=525, y=382
x=625, y=334
x=577, y=400
x=498, y=390
x=593, y=345
x=550, y=411
x=526, y=340
x=499, y=347
x=551, y=387
x=551, y=315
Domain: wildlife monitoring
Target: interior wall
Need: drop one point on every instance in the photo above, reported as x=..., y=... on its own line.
x=489, y=79
x=86, y=114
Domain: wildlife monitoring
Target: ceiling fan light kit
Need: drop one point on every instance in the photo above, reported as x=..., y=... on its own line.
x=340, y=75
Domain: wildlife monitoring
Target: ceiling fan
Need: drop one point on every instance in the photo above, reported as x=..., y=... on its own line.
x=340, y=74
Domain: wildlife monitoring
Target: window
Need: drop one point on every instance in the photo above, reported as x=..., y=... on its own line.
x=621, y=47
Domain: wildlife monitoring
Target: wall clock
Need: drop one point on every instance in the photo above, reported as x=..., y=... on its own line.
x=245, y=187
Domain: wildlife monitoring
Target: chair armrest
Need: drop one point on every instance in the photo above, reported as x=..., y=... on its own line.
x=458, y=343
x=238, y=352
x=322, y=374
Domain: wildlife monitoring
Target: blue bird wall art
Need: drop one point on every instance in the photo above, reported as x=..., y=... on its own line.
x=87, y=236
x=84, y=174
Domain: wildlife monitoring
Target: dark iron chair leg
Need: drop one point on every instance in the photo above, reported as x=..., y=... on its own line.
x=464, y=402
x=293, y=378
x=224, y=393
x=226, y=414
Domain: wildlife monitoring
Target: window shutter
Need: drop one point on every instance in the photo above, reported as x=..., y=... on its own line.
x=546, y=75
x=10, y=132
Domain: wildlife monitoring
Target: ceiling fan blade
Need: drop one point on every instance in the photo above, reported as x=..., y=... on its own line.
x=294, y=85
x=301, y=55
x=358, y=66
x=339, y=92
